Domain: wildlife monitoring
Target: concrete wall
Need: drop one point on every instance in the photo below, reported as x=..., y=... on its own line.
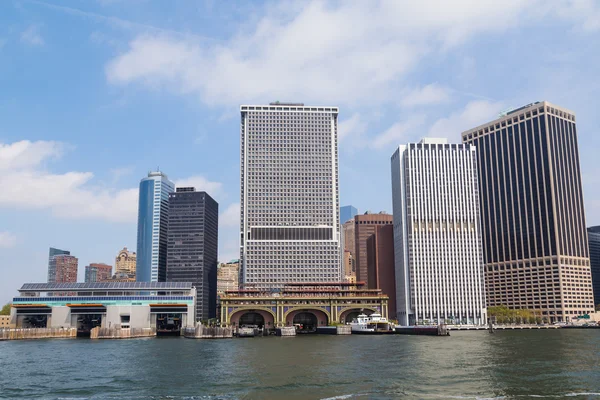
x=139, y=316
x=60, y=318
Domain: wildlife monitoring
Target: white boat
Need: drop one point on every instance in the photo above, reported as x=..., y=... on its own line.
x=374, y=323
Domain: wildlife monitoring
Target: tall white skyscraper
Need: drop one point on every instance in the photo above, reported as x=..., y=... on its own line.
x=153, y=220
x=437, y=238
x=289, y=195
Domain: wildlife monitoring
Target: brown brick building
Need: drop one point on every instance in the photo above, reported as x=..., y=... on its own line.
x=63, y=269
x=98, y=272
x=364, y=226
x=380, y=263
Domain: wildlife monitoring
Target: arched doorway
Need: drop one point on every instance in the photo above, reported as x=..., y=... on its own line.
x=349, y=316
x=252, y=318
x=306, y=322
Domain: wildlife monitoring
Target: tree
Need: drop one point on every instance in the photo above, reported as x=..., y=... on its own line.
x=6, y=309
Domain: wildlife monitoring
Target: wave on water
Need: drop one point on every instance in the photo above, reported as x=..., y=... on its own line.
x=343, y=396
x=541, y=396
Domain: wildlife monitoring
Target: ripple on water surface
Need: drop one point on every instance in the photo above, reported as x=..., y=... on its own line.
x=466, y=365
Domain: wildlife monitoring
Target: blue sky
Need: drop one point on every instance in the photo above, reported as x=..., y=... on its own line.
x=93, y=94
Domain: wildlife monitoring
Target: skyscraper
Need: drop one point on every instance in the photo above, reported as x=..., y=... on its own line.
x=192, y=243
x=594, y=245
x=347, y=213
x=437, y=239
x=289, y=195
x=98, y=272
x=153, y=214
x=52, y=268
x=364, y=226
x=381, y=267
x=533, y=221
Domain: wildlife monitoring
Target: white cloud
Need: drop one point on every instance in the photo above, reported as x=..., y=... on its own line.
x=352, y=128
x=399, y=133
x=475, y=113
x=339, y=53
x=70, y=195
x=31, y=36
x=426, y=95
x=7, y=240
x=201, y=184
x=231, y=216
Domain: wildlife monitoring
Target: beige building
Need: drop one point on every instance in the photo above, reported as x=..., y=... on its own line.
x=349, y=269
x=228, y=277
x=5, y=322
x=125, y=262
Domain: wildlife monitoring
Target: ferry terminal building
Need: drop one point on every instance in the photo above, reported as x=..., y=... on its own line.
x=164, y=306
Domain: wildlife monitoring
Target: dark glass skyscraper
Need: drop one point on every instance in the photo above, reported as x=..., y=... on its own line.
x=533, y=220
x=594, y=242
x=193, y=245
x=153, y=213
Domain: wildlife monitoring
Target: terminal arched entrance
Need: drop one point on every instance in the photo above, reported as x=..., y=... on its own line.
x=252, y=318
x=306, y=322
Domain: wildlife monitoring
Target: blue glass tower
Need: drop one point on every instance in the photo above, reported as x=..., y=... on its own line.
x=347, y=213
x=153, y=219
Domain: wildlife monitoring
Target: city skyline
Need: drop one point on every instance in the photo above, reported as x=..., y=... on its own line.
x=89, y=105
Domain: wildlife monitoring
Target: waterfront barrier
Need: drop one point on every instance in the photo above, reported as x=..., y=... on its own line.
x=37, y=333
x=121, y=333
x=286, y=331
x=432, y=330
x=500, y=327
x=335, y=330
x=207, y=332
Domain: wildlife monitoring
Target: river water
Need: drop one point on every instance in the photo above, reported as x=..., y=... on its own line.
x=466, y=365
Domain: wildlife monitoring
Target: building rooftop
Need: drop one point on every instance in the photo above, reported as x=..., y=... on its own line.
x=80, y=286
x=434, y=141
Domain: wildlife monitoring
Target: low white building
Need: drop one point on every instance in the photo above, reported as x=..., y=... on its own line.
x=437, y=238
x=164, y=306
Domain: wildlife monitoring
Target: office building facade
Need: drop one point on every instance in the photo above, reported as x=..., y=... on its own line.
x=347, y=213
x=289, y=195
x=594, y=245
x=533, y=220
x=98, y=272
x=228, y=277
x=192, y=245
x=153, y=219
x=380, y=264
x=364, y=226
x=437, y=238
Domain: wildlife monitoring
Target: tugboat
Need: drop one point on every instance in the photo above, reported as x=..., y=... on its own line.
x=373, y=324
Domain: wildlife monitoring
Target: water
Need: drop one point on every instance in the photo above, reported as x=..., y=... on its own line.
x=470, y=365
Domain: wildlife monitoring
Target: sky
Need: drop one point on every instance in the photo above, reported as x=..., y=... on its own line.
x=96, y=93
